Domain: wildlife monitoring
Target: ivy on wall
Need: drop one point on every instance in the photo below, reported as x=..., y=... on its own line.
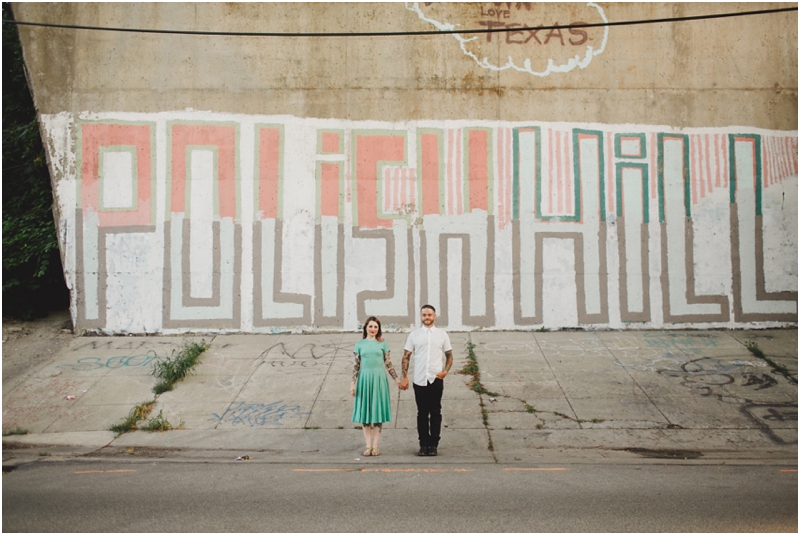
x=33, y=281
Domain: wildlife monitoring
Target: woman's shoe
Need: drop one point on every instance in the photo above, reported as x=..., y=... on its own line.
x=375, y=452
x=368, y=452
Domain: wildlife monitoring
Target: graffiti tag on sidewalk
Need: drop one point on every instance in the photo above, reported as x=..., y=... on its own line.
x=122, y=361
x=257, y=414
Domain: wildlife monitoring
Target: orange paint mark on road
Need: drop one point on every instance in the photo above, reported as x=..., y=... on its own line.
x=788, y=470
x=103, y=471
x=385, y=470
x=423, y=470
x=324, y=470
x=534, y=469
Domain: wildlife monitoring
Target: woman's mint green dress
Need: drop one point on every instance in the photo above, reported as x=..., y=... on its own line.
x=372, y=387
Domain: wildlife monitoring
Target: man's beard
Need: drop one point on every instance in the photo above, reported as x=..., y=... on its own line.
x=427, y=323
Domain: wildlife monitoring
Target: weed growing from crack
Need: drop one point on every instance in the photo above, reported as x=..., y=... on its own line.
x=15, y=431
x=752, y=346
x=481, y=390
x=530, y=408
x=170, y=370
x=176, y=367
x=579, y=420
x=754, y=349
x=142, y=410
x=161, y=387
x=576, y=420
x=159, y=423
x=138, y=413
x=539, y=426
x=471, y=368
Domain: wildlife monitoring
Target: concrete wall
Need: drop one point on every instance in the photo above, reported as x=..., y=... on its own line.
x=642, y=176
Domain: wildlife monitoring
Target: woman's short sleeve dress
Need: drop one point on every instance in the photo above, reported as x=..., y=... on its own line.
x=372, y=387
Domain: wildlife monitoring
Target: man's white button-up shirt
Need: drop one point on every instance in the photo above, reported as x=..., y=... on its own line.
x=428, y=347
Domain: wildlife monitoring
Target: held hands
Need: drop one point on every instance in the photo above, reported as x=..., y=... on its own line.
x=403, y=384
x=441, y=374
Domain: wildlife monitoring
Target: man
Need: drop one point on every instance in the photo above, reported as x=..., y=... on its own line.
x=433, y=357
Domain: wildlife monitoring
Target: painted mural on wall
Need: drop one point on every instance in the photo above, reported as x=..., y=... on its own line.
x=546, y=49
x=200, y=221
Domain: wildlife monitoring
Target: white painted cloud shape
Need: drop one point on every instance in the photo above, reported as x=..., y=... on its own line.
x=537, y=52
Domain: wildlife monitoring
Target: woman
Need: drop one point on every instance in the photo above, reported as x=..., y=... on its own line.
x=369, y=386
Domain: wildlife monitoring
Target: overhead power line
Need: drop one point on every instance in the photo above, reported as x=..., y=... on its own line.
x=409, y=33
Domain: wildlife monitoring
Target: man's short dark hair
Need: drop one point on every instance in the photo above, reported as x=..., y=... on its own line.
x=428, y=306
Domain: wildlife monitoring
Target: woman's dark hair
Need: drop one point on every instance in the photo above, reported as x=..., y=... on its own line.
x=379, y=336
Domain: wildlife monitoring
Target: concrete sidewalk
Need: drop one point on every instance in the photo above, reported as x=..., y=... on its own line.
x=594, y=396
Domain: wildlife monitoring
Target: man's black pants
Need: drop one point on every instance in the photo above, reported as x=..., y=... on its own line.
x=429, y=412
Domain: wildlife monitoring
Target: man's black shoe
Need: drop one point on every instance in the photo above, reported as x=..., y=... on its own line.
x=432, y=451
x=423, y=452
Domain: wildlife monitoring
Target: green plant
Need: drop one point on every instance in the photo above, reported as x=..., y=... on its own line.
x=33, y=281
x=530, y=408
x=471, y=368
x=159, y=423
x=138, y=413
x=480, y=389
x=161, y=387
x=539, y=426
x=177, y=366
x=576, y=420
x=754, y=349
x=15, y=431
x=752, y=346
x=508, y=428
x=44, y=454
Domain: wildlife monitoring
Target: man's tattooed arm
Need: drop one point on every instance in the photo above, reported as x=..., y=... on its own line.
x=449, y=360
x=406, y=361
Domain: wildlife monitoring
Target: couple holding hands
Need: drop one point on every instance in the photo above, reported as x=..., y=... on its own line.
x=433, y=357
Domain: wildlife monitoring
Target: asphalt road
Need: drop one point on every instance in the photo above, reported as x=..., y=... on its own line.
x=250, y=496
